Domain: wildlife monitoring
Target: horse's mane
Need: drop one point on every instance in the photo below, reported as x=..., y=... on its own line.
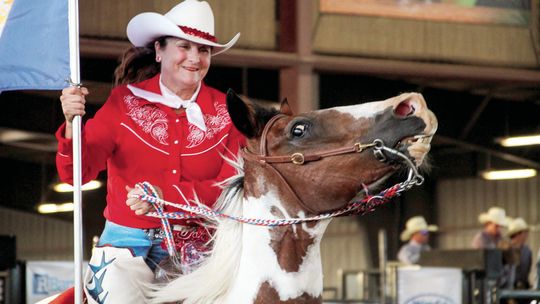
x=210, y=282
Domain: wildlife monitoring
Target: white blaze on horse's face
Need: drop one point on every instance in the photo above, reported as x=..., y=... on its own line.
x=404, y=105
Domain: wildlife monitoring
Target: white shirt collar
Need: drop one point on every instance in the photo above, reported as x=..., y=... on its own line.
x=170, y=95
x=193, y=111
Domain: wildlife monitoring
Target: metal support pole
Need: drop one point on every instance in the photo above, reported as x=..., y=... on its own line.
x=382, y=264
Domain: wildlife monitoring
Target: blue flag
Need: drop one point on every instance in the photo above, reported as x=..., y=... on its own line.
x=34, y=44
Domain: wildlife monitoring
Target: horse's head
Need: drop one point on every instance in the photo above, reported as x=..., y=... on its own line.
x=319, y=161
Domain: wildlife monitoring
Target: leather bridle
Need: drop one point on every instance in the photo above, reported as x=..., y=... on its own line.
x=298, y=158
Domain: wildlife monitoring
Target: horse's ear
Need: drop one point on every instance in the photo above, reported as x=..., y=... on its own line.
x=248, y=117
x=241, y=113
x=285, y=107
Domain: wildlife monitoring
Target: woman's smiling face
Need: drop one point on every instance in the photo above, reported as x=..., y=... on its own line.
x=184, y=64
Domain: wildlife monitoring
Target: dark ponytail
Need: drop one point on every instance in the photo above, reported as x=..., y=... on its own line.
x=138, y=64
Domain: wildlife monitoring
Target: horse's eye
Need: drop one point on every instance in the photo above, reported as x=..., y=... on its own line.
x=299, y=130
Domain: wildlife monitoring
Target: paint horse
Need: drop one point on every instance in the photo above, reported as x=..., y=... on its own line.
x=298, y=167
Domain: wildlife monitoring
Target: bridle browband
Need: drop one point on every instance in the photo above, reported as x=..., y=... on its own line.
x=299, y=158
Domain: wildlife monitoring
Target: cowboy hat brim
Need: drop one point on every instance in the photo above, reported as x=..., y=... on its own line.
x=485, y=217
x=147, y=27
x=406, y=234
x=519, y=229
x=517, y=225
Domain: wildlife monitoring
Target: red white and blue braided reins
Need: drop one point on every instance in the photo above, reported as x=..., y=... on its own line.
x=149, y=190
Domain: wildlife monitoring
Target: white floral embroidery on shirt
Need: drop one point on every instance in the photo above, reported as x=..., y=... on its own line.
x=152, y=120
x=214, y=124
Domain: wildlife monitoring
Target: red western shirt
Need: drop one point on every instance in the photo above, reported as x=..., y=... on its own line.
x=138, y=140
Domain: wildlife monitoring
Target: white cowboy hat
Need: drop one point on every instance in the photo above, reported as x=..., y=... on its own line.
x=517, y=225
x=495, y=215
x=415, y=224
x=192, y=20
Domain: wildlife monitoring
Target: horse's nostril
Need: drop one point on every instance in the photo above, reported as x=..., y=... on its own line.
x=404, y=108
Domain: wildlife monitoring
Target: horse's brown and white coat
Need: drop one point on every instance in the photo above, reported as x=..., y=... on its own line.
x=258, y=264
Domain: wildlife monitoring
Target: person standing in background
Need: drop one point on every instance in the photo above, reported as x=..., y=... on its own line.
x=416, y=234
x=518, y=231
x=490, y=237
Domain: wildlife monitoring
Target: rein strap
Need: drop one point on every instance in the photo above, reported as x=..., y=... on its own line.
x=300, y=159
x=296, y=158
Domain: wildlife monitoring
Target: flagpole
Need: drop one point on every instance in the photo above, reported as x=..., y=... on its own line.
x=73, y=8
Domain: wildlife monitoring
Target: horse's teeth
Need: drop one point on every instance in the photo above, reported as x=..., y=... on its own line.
x=411, y=140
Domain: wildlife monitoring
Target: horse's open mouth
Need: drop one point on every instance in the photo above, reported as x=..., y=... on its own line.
x=414, y=147
x=420, y=138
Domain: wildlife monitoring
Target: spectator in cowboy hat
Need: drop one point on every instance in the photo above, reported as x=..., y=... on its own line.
x=518, y=231
x=161, y=124
x=416, y=234
x=490, y=237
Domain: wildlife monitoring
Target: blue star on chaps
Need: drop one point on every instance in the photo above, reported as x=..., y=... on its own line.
x=97, y=281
